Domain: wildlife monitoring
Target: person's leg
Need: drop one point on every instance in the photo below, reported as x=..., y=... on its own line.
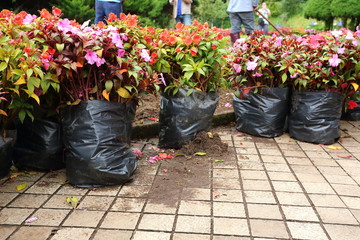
x=266, y=29
x=112, y=7
x=187, y=19
x=179, y=18
x=235, y=22
x=99, y=12
x=248, y=20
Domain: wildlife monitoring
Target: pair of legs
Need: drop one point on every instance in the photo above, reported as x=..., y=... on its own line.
x=264, y=28
x=103, y=9
x=237, y=19
x=184, y=19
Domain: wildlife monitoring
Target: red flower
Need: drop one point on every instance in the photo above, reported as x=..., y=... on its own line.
x=177, y=50
x=193, y=52
x=148, y=39
x=122, y=16
x=56, y=11
x=151, y=30
x=213, y=46
x=219, y=36
x=352, y=104
x=179, y=25
x=112, y=17
x=45, y=14
x=27, y=49
x=197, y=39
x=188, y=41
x=172, y=40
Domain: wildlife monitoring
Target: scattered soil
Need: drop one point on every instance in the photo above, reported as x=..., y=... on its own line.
x=187, y=169
x=150, y=107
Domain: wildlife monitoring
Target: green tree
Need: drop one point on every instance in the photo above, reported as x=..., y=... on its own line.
x=81, y=10
x=345, y=10
x=320, y=10
x=288, y=7
x=213, y=12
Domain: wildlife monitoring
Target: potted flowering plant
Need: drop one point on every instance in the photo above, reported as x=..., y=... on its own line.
x=260, y=78
x=103, y=71
x=190, y=60
x=327, y=70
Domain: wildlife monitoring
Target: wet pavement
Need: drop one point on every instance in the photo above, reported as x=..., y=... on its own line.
x=275, y=188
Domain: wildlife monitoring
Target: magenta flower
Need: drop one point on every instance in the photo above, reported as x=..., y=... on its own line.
x=162, y=79
x=279, y=41
x=334, y=61
x=121, y=52
x=237, y=68
x=154, y=159
x=257, y=75
x=251, y=65
x=91, y=56
x=341, y=50
x=116, y=39
x=145, y=55
x=29, y=19
x=228, y=105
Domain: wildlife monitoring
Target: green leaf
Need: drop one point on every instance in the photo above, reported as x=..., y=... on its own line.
x=188, y=74
x=29, y=73
x=109, y=85
x=60, y=47
x=284, y=78
x=189, y=92
x=3, y=65
x=200, y=154
x=218, y=160
x=21, y=187
x=22, y=115
x=73, y=201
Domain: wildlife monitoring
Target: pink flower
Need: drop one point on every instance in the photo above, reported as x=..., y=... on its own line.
x=116, y=39
x=137, y=151
x=145, y=55
x=355, y=42
x=294, y=75
x=121, y=52
x=257, y=75
x=334, y=61
x=341, y=50
x=336, y=33
x=237, y=68
x=154, y=159
x=162, y=79
x=92, y=58
x=29, y=19
x=279, y=41
x=251, y=65
x=228, y=105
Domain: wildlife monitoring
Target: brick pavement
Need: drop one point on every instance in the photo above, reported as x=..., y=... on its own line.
x=272, y=189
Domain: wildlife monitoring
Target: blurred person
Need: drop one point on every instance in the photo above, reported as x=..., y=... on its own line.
x=263, y=25
x=241, y=12
x=104, y=7
x=182, y=11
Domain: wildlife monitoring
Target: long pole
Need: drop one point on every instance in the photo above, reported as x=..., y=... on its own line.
x=269, y=22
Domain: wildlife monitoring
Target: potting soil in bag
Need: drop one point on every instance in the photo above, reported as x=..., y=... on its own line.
x=262, y=114
x=315, y=116
x=182, y=117
x=352, y=114
x=38, y=145
x=5, y=156
x=97, y=141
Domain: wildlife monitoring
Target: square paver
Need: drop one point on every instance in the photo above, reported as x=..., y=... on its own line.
x=196, y=194
x=300, y=213
x=14, y=215
x=273, y=159
x=6, y=198
x=184, y=236
x=43, y=188
x=282, y=186
x=154, y=206
x=231, y=226
x=320, y=200
x=29, y=200
x=192, y=224
x=134, y=191
x=120, y=220
x=73, y=234
x=128, y=204
x=259, y=197
x=277, y=167
x=103, y=234
x=49, y=217
x=98, y=203
x=227, y=195
x=342, y=232
x=249, y=174
x=347, y=190
x=260, y=185
x=265, y=211
x=31, y=233
x=6, y=231
x=84, y=218
x=287, y=198
x=225, y=173
x=351, y=202
x=268, y=228
x=157, y=222
x=226, y=183
x=303, y=230
x=105, y=191
x=195, y=208
x=336, y=215
x=59, y=201
x=71, y=191
x=226, y=209
x=310, y=178
x=282, y=176
x=141, y=235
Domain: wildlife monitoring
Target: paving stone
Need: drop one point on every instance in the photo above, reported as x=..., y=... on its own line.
x=29, y=200
x=339, y=179
x=324, y=162
x=217, y=237
x=342, y=232
x=287, y=198
x=268, y=228
x=356, y=214
x=300, y=213
x=134, y=191
x=326, y=200
x=336, y=215
x=259, y=197
x=281, y=186
x=31, y=233
x=103, y=234
x=225, y=173
x=269, y=152
x=194, y=208
x=184, y=236
x=14, y=215
x=98, y=203
x=120, y=220
x=347, y=190
x=298, y=161
x=73, y=234
x=105, y=191
x=6, y=198
x=264, y=211
x=305, y=169
x=319, y=188
x=43, y=188
x=303, y=230
x=282, y=176
x=231, y=226
x=310, y=178
x=277, y=167
x=196, y=194
x=49, y=217
x=153, y=206
x=192, y=224
x=291, y=153
x=6, y=231
x=10, y=187
x=332, y=170
x=226, y=209
x=157, y=222
x=256, y=185
x=84, y=218
x=351, y=202
x=70, y=191
x=59, y=201
x=227, y=195
x=128, y=204
x=58, y=176
x=142, y=235
x=249, y=174
x=226, y=183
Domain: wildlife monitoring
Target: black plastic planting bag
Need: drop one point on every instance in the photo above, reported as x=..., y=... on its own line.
x=5, y=156
x=38, y=145
x=97, y=141
x=352, y=114
x=315, y=116
x=182, y=117
x=262, y=114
